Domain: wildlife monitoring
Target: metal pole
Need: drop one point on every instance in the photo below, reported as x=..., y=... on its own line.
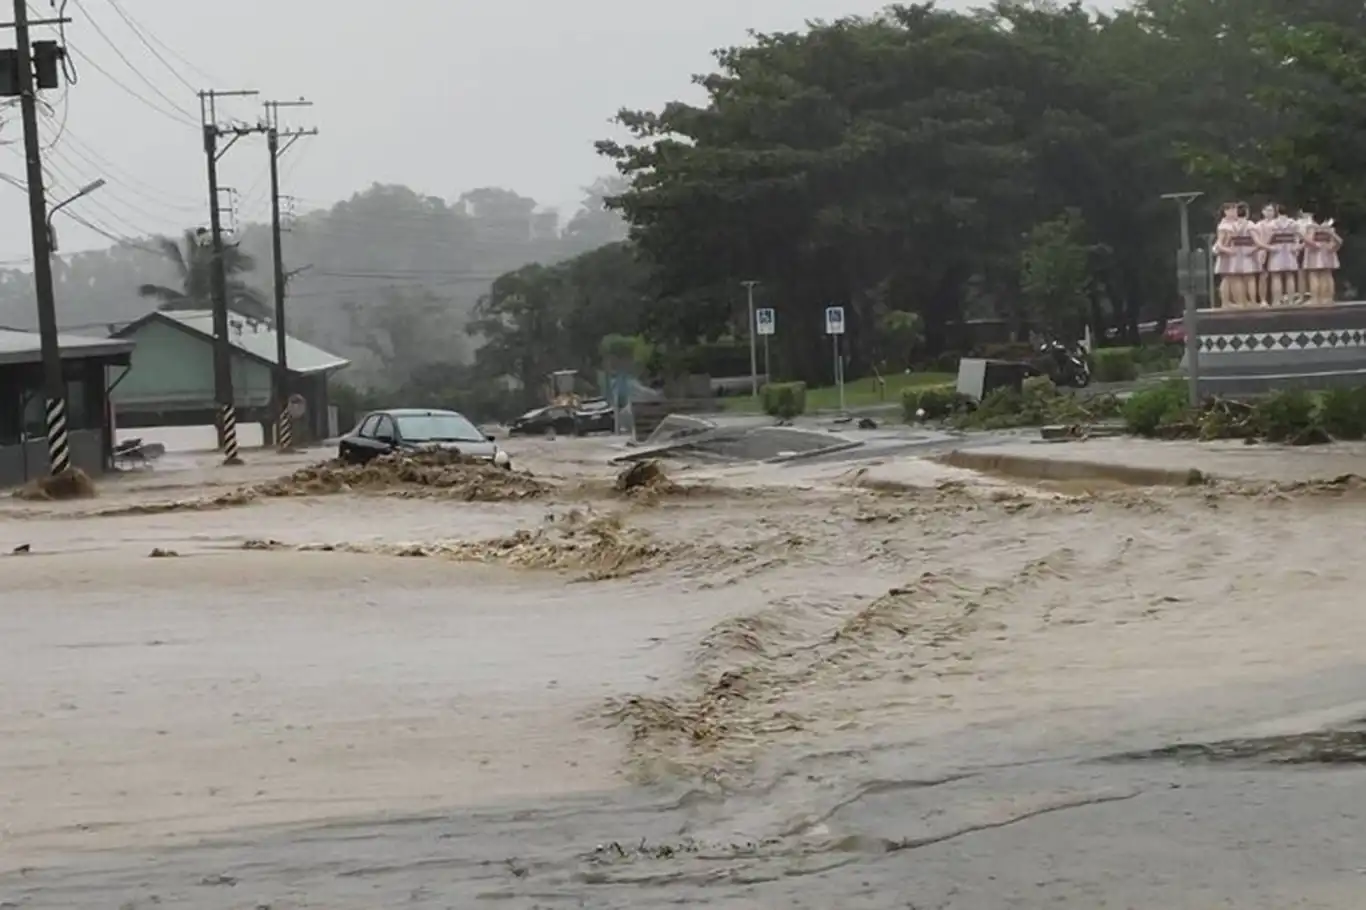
x=753, y=342
x=839, y=378
x=1191, y=313
x=54, y=387
x=768, y=371
x=284, y=432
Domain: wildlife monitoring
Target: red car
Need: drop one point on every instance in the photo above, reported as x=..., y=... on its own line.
x=1175, y=332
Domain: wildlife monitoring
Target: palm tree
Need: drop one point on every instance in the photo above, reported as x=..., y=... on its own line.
x=193, y=264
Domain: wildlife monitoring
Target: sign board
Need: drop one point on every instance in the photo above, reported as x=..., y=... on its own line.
x=298, y=406
x=1193, y=271
x=834, y=320
x=766, y=320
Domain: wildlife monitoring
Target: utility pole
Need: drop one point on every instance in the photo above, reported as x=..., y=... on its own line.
x=753, y=341
x=1187, y=275
x=23, y=72
x=218, y=279
x=284, y=433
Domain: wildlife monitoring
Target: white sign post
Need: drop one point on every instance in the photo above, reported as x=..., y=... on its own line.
x=834, y=327
x=767, y=321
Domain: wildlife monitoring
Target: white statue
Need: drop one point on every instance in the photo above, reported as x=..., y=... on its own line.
x=1246, y=263
x=1281, y=239
x=1321, y=245
x=1225, y=258
x=1261, y=232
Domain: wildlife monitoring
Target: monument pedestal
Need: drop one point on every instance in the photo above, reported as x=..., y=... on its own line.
x=1254, y=351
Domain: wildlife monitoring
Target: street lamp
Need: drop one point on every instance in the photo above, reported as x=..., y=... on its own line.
x=83, y=191
x=1188, y=294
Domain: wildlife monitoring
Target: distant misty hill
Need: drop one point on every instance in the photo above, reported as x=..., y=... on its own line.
x=355, y=267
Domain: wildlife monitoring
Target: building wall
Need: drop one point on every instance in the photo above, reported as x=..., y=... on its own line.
x=173, y=370
x=21, y=463
x=23, y=424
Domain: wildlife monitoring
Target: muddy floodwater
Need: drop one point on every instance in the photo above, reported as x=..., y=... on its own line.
x=855, y=684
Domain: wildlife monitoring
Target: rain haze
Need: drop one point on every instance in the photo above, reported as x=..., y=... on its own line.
x=441, y=97
x=462, y=540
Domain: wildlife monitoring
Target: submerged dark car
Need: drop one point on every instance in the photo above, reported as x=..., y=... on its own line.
x=589, y=417
x=416, y=430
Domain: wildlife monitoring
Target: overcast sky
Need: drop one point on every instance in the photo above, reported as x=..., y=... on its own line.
x=441, y=95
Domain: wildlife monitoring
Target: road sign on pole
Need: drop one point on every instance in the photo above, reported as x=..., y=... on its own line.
x=767, y=320
x=834, y=327
x=834, y=320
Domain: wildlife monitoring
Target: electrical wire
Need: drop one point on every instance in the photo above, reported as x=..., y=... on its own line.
x=124, y=57
x=65, y=103
x=69, y=74
x=147, y=34
x=85, y=151
x=138, y=31
x=182, y=118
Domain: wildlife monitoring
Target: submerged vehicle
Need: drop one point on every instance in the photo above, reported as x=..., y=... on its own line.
x=417, y=430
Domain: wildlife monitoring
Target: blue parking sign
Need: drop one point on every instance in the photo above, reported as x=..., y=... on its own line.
x=834, y=320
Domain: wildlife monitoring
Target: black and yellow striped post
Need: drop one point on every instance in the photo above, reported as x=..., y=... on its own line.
x=285, y=434
x=58, y=441
x=230, y=455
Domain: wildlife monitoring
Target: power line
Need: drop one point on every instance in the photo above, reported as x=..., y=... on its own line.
x=124, y=57
x=147, y=34
x=151, y=105
x=87, y=153
x=138, y=31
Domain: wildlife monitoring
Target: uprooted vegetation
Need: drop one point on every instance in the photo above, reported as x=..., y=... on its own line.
x=445, y=475
x=599, y=547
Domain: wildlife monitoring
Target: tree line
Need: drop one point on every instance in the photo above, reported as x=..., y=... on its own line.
x=924, y=168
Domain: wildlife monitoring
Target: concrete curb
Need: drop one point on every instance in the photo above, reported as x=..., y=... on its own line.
x=1024, y=467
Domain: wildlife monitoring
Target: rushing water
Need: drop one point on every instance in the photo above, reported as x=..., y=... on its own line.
x=819, y=698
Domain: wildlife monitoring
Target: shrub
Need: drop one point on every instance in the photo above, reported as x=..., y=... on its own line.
x=784, y=400
x=1285, y=416
x=1156, y=358
x=937, y=401
x=1148, y=410
x=1116, y=365
x=1342, y=413
x=944, y=363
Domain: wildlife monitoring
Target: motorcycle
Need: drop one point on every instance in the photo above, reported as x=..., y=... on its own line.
x=1065, y=366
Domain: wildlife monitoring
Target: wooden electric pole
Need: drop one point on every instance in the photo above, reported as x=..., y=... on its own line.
x=284, y=433
x=218, y=279
x=23, y=72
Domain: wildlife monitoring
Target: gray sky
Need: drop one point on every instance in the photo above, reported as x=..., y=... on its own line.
x=441, y=95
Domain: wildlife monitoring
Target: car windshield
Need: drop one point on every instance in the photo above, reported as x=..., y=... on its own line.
x=437, y=428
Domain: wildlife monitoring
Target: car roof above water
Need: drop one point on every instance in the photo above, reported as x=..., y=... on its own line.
x=419, y=412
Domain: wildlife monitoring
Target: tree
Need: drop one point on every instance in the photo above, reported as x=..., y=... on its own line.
x=1055, y=275
x=538, y=319
x=193, y=264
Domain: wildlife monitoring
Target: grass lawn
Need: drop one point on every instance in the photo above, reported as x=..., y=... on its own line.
x=860, y=393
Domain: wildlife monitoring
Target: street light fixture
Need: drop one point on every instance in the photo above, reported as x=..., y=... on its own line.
x=83, y=191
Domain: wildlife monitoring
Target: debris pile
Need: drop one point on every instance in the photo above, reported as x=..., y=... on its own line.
x=442, y=473
x=645, y=477
x=599, y=547
x=73, y=483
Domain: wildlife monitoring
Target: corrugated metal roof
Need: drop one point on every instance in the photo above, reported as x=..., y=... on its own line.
x=258, y=339
x=26, y=347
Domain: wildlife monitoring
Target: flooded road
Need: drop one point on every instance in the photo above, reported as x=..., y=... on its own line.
x=864, y=685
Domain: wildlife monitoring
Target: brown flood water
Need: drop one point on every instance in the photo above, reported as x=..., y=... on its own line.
x=854, y=685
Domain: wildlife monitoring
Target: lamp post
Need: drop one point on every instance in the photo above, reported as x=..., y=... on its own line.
x=83, y=191
x=1188, y=294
